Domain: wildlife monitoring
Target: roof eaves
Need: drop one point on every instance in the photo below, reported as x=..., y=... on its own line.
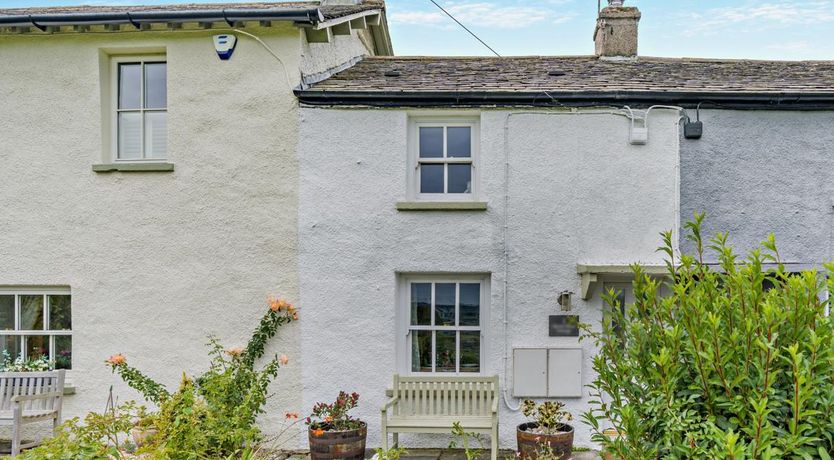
x=734, y=100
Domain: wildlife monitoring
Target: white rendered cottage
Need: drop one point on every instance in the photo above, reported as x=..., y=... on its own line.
x=456, y=215
x=428, y=215
x=150, y=179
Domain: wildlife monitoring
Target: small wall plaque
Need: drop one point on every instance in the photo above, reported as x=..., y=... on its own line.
x=564, y=326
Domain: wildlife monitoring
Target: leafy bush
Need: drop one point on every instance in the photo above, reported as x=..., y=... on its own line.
x=732, y=363
x=464, y=439
x=393, y=453
x=213, y=415
x=101, y=437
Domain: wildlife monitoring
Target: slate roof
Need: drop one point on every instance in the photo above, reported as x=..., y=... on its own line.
x=328, y=11
x=543, y=79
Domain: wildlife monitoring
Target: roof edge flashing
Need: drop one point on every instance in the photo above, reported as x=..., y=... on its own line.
x=297, y=15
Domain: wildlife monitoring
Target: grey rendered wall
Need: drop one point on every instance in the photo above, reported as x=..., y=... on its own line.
x=756, y=172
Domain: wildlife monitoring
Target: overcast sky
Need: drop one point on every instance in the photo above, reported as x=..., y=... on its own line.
x=788, y=29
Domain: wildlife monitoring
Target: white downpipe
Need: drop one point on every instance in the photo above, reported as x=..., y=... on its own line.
x=624, y=112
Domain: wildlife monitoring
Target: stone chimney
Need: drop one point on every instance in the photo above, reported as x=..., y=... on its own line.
x=616, y=32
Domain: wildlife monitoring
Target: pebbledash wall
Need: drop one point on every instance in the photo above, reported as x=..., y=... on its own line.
x=578, y=192
x=757, y=172
x=157, y=261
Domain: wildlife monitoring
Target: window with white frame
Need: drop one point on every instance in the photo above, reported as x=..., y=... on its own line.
x=140, y=108
x=445, y=325
x=36, y=323
x=443, y=159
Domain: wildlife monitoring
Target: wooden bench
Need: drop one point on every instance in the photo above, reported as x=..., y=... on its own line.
x=29, y=397
x=434, y=404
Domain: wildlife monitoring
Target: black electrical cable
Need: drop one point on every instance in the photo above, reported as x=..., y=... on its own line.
x=465, y=28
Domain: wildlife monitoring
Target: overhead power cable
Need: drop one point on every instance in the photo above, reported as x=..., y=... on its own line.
x=465, y=28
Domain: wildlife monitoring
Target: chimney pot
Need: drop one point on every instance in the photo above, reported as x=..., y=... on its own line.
x=616, y=33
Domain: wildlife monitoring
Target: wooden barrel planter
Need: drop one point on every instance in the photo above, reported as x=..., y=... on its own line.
x=530, y=443
x=347, y=445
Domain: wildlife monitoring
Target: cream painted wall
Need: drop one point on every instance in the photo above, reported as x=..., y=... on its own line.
x=157, y=261
x=578, y=193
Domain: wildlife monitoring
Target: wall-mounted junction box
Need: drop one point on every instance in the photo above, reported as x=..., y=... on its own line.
x=547, y=372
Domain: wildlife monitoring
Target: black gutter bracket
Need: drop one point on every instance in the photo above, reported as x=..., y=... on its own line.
x=40, y=27
x=134, y=23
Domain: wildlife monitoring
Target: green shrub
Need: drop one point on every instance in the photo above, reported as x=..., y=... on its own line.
x=464, y=439
x=215, y=414
x=736, y=362
x=100, y=437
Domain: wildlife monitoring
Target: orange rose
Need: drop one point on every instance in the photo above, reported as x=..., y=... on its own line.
x=318, y=432
x=284, y=360
x=295, y=315
x=234, y=352
x=116, y=360
x=275, y=304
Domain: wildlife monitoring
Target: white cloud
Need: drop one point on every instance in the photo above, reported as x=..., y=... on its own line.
x=484, y=14
x=791, y=47
x=760, y=15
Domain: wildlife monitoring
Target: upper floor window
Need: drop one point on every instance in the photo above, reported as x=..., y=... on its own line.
x=140, y=108
x=36, y=323
x=445, y=325
x=443, y=159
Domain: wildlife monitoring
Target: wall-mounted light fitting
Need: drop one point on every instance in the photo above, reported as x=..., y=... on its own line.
x=564, y=300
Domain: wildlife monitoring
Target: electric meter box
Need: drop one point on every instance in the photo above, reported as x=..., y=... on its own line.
x=547, y=372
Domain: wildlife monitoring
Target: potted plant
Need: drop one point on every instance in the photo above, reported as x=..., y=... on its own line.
x=333, y=433
x=547, y=432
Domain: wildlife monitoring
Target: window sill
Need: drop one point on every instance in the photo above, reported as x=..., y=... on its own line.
x=133, y=167
x=441, y=206
x=69, y=389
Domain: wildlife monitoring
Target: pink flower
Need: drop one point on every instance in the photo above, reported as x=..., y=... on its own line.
x=284, y=360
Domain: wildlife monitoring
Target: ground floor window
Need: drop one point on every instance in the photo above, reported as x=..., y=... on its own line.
x=36, y=323
x=445, y=319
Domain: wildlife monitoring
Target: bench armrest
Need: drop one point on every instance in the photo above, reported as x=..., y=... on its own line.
x=22, y=398
x=389, y=404
x=495, y=404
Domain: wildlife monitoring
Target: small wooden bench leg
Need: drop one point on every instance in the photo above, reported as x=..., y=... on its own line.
x=494, y=442
x=15, y=439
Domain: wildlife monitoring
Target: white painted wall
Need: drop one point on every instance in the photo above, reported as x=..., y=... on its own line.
x=157, y=261
x=578, y=193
